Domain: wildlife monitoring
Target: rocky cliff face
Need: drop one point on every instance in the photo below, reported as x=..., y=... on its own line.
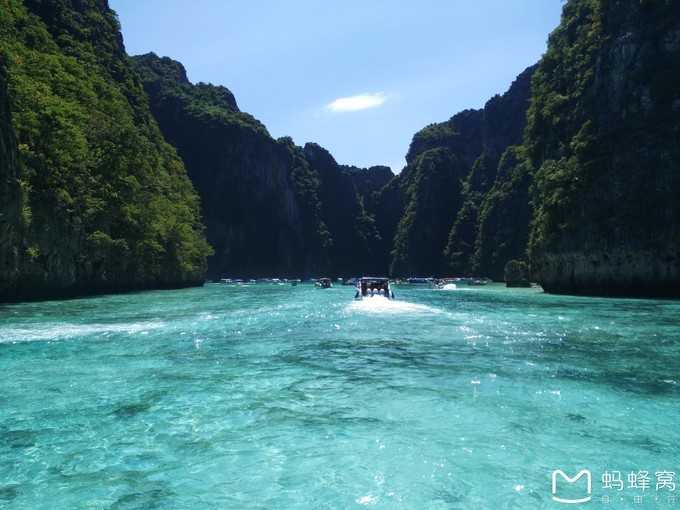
x=270, y=208
x=496, y=194
x=352, y=231
x=603, y=137
x=93, y=199
x=368, y=181
x=242, y=175
x=11, y=197
x=443, y=231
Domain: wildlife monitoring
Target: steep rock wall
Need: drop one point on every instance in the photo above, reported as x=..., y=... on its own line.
x=270, y=208
x=95, y=200
x=604, y=134
x=11, y=197
x=449, y=235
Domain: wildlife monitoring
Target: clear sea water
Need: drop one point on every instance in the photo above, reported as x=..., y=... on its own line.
x=277, y=397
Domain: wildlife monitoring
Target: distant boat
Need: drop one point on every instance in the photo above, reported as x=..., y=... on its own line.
x=230, y=281
x=467, y=280
x=324, y=283
x=373, y=286
x=429, y=283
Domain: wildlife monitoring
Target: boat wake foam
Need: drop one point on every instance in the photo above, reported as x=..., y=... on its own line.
x=379, y=304
x=51, y=333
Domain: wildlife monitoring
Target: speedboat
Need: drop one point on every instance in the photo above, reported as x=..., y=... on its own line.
x=324, y=283
x=371, y=286
x=428, y=283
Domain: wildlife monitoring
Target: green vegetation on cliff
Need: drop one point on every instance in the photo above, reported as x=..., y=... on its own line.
x=270, y=208
x=11, y=194
x=504, y=216
x=433, y=202
x=96, y=198
x=107, y=204
x=589, y=191
x=462, y=178
x=603, y=145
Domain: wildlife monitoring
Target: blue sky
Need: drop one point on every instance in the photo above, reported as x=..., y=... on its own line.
x=358, y=77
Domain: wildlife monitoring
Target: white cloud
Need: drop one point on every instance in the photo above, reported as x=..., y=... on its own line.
x=356, y=103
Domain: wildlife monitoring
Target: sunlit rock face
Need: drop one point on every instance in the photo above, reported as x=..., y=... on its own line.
x=92, y=199
x=604, y=132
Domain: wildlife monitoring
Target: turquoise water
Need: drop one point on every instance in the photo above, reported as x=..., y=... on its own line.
x=274, y=396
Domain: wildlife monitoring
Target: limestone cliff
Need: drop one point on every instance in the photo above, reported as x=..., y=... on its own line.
x=603, y=141
x=11, y=197
x=270, y=208
x=93, y=199
x=492, y=226
x=452, y=174
x=353, y=232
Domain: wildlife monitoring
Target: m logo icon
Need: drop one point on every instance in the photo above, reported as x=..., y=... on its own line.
x=572, y=500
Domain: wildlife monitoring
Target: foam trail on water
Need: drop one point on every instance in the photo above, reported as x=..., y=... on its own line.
x=379, y=304
x=52, y=332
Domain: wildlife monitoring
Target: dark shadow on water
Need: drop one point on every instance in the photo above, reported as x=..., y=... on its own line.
x=9, y=492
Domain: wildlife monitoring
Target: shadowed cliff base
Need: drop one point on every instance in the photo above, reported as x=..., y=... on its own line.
x=27, y=293
x=623, y=275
